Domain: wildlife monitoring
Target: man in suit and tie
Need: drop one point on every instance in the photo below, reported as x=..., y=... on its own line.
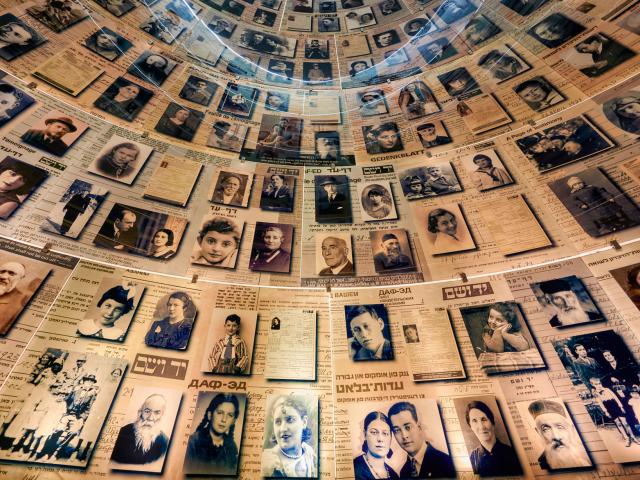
x=75, y=207
x=119, y=233
x=276, y=195
x=423, y=460
x=332, y=205
x=50, y=139
x=335, y=252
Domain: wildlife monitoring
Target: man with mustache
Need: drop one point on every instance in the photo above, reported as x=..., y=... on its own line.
x=143, y=441
x=335, y=252
x=12, y=300
x=390, y=257
x=49, y=139
x=562, y=445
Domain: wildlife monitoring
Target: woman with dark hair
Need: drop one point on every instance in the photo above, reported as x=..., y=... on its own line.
x=538, y=94
x=268, y=255
x=114, y=303
x=17, y=181
x=444, y=224
x=501, y=333
x=501, y=65
x=161, y=244
x=360, y=70
x=174, y=330
x=123, y=99
x=376, y=448
x=218, y=243
x=291, y=454
x=212, y=448
x=383, y=138
x=10, y=99
x=152, y=68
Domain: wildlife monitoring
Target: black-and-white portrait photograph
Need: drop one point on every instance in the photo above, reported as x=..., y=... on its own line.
x=218, y=242
x=418, y=27
x=332, y=199
x=152, y=67
x=198, y=90
x=245, y=66
x=54, y=132
x=628, y=278
x=117, y=7
x=227, y=136
x=564, y=143
x=18, y=180
x=459, y=83
x=550, y=429
x=376, y=200
x=57, y=15
x=229, y=346
x=410, y=333
x=389, y=7
x=503, y=63
x=123, y=99
x=233, y=7
x=185, y=9
x=437, y=50
x=538, y=93
x=316, y=49
x=271, y=248
x=433, y=134
x=112, y=309
x=279, y=137
x=277, y=101
x=216, y=434
x=434, y=180
x=146, y=429
x=371, y=102
x=443, y=229
x=334, y=255
x=450, y=11
x=280, y=71
x=66, y=399
x=360, y=18
x=391, y=251
x=264, y=17
x=121, y=160
x=598, y=206
x=486, y=170
x=268, y=43
x=485, y=435
x=501, y=338
x=231, y=187
x=278, y=192
x=302, y=6
x=604, y=373
x=317, y=72
x=346, y=4
x=272, y=4
x=327, y=146
x=131, y=229
x=368, y=332
x=479, y=29
x=597, y=55
x=566, y=301
x=173, y=321
x=327, y=6
x=75, y=208
x=555, y=30
x=108, y=44
x=382, y=138
x=13, y=101
x=291, y=435
x=524, y=7
x=399, y=439
x=624, y=111
x=386, y=39
x=179, y=122
x=223, y=27
x=417, y=100
x=238, y=100
x=328, y=24
x=393, y=58
x=165, y=25
x=16, y=37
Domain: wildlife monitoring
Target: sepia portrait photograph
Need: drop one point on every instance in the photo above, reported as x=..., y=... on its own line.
x=17, y=38
x=417, y=100
x=13, y=101
x=75, y=208
x=238, y=100
x=432, y=181
x=450, y=11
x=327, y=146
x=117, y=7
x=268, y=43
x=18, y=181
x=368, y=332
x=371, y=102
x=391, y=251
x=360, y=18
x=227, y=136
x=443, y=229
x=538, y=93
x=437, y=50
x=382, y=138
x=399, y=439
x=53, y=132
x=486, y=170
x=553, y=434
x=108, y=44
x=230, y=340
x=628, y=278
x=152, y=67
x=222, y=27
x=134, y=230
x=271, y=248
x=597, y=54
x=57, y=15
x=328, y=24
x=479, y=29
x=123, y=99
x=146, y=428
x=278, y=192
x=595, y=203
x=164, y=24
x=316, y=49
x=277, y=102
x=218, y=242
x=280, y=71
x=198, y=90
x=332, y=199
x=419, y=27
x=111, y=310
x=502, y=63
x=317, y=72
x=231, y=187
x=377, y=201
x=459, y=83
x=179, y=122
x=433, y=134
x=334, y=256
x=121, y=160
x=554, y=30
x=501, y=339
x=624, y=111
x=173, y=319
x=20, y=279
x=66, y=399
x=215, y=440
x=279, y=137
x=265, y=17
x=486, y=437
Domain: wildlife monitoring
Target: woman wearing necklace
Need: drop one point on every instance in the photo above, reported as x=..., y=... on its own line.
x=376, y=448
x=174, y=330
x=162, y=244
x=291, y=455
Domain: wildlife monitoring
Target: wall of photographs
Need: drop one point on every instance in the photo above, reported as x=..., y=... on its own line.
x=319, y=238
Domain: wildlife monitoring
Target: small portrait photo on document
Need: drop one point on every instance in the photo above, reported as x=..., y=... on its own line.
x=198, y=90
x=54, y=132
x=391, y=251
x=121, y=160
x=57, y=15
x=227, y=136
x=433, y=134
x=231, y=187
x=278, y=192
x=13, y=101
x=112, y=309
x=332, y=199
x=410, y=332
x=271, y=249
x=555, y=29
x=486, y=170
x=179, y=122
x=123, y=99
x=108, y=44
x=567, y=302
x=229, y=347
x=628, y=278
x=20, y=180
x=218, y=242
x=16, y=37
x=432, y=181
x=173, y=320
x=152, y=67
x=334, y=256
x=443, y=229
x=538, y=93
x=377, y=201
x=368, y=332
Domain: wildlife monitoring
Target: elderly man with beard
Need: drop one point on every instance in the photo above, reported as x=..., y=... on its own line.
x=391, y=256
x=565, y=302
x=562, y=445
x=143, y=441
x=12, y=300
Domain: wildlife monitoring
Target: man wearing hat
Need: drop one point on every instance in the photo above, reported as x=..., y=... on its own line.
x=562, y=445
x=566, y=304
x=12, y=298
x=391, y=257
x=331, y=204
x=50, y=139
